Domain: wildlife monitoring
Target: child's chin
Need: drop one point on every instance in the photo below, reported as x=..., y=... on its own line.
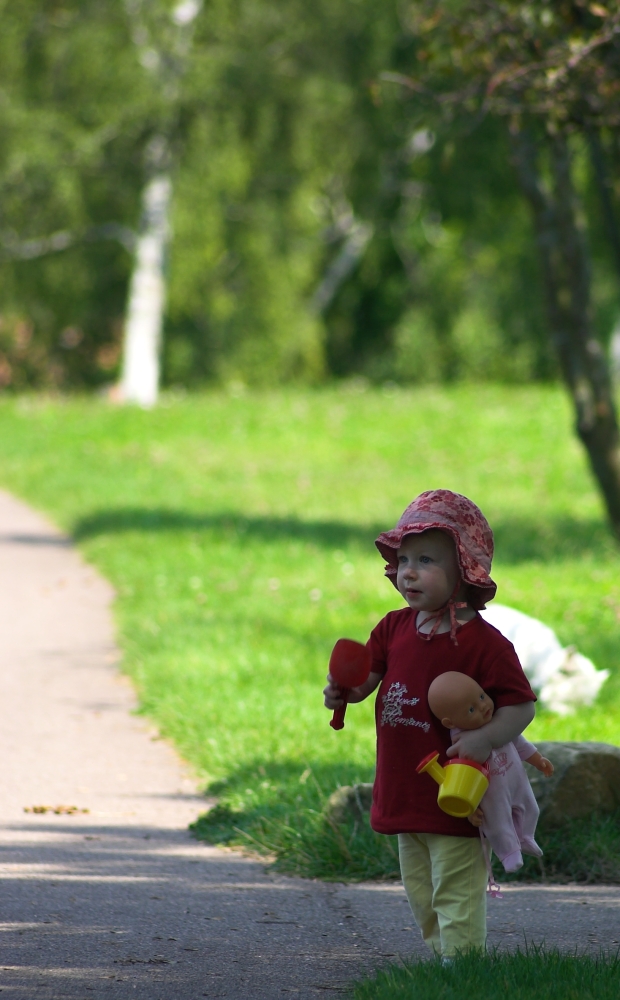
x=414, y=603
x=420, y=603
x=415, y=606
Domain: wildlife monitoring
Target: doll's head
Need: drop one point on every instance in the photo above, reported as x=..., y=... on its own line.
x=459, y=702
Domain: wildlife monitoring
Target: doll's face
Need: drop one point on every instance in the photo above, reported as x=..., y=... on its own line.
x=470, y=711
x=428, y=570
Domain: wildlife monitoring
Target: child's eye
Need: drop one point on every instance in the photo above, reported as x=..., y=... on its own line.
x=425, y=559
x=471, y=709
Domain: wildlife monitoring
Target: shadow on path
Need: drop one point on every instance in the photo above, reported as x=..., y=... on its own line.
x=137, y=911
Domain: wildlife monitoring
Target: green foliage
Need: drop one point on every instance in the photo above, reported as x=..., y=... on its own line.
x=238, y=533
x=286, y=129
x=283, y=819
x=530, y=973
x=511, y=67
x=555, y=61
x=68, y=164
x=587, y=850
x=272, y=143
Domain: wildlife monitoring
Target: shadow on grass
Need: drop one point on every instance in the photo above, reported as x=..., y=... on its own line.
x=544, y=539
x=278, y=811
x=517, y=539
x=327, y=534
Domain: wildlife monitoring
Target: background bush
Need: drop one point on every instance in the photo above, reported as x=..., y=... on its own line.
x=284, y=134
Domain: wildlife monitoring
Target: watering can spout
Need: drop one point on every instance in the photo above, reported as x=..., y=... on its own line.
x=431, y=766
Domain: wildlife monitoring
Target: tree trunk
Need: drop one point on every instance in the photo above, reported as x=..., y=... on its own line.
x=603, y=184
x=147, y=290
x=341, y=267
x=143, y=326
x=566, y=276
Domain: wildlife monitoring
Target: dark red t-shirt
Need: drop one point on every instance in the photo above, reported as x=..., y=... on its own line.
x=407, y=730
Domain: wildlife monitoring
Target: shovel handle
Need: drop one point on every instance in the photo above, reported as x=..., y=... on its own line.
x=337, y=719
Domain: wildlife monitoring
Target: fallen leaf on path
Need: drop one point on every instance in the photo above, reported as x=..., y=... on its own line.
x=58, y=810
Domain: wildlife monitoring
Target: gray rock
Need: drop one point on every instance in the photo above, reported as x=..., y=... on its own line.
x=349, y=802
x=586, y=781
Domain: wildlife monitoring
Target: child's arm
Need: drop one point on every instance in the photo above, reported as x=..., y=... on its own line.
x=333, y=695
x=541, y=764
x=508, y=722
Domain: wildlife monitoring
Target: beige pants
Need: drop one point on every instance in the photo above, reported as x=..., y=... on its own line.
x=445, y=881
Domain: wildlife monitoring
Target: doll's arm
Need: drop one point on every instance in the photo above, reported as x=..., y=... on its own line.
x=541, y=764
x=524, y=748
x=508, y=722
x=333, y=696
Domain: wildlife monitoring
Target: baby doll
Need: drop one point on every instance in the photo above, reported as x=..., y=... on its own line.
x=508, y=812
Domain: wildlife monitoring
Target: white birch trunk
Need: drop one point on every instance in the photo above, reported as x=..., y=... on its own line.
x=140, y=374
x=340, y=268
x=147, y=290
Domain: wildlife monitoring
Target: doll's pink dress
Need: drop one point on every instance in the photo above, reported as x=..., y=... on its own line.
x=509, y=807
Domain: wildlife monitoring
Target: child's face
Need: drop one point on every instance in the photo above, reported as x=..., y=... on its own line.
x=472, y=711
x=428, y=571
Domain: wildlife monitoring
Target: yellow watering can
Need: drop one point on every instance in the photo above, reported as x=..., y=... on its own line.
x=462, y=783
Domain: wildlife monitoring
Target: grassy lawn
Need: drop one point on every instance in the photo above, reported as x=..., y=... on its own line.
x=238, y=533
x=531, y=975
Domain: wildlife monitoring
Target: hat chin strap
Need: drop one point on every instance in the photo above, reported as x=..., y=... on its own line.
x=451, y=605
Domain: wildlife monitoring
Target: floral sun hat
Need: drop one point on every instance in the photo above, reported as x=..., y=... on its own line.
x=460, y=518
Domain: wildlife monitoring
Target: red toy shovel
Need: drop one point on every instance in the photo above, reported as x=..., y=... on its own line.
x=349, y=666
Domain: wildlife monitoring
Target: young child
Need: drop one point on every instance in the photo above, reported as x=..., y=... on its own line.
x=508, y=812
x=439, y=558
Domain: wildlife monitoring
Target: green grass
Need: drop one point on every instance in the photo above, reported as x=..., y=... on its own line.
x=586, y=851
x=238, y=533
x=291, y=828
x=529, y=974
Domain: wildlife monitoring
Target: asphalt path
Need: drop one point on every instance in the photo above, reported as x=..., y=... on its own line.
x=104, y=893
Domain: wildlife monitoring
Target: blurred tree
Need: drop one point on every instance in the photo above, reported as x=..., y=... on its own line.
x=69, y=181
x=325, y=218
x=162, y=38
x=280, y=186
x=318, y=224
x=553, y=71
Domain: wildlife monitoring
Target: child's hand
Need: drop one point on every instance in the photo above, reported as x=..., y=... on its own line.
x=477, y=817
x=471, y=744
x=332, y=695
